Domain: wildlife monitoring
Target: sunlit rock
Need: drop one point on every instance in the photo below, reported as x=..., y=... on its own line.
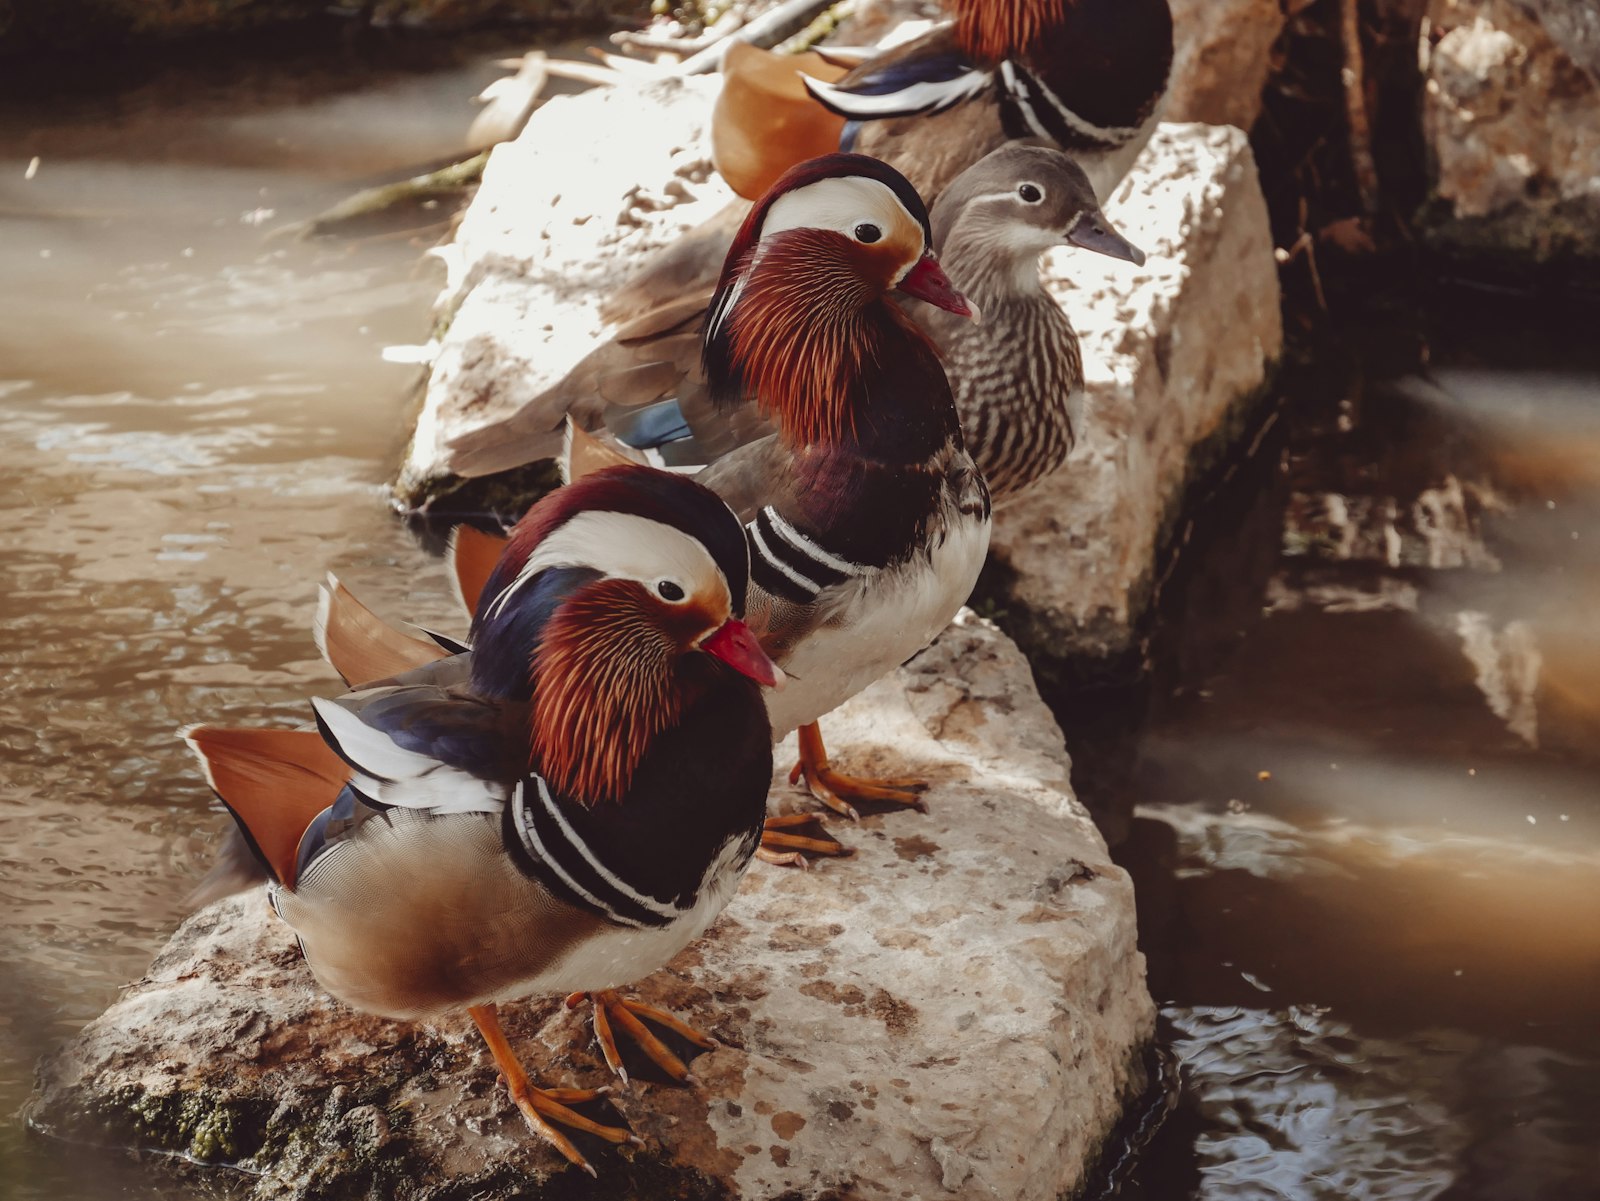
x=1512, y=120
x=956, y=1011
x=1172, y=354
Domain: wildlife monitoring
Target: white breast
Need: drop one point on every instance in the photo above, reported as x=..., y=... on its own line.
x=882, y=619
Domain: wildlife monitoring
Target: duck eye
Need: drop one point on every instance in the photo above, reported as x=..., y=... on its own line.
x=867, y=232
x=669, y=590
x=1031, y=193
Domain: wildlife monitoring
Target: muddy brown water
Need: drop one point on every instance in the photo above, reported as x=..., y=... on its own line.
x=1378, y=962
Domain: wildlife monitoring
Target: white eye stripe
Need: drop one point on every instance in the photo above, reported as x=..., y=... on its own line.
x=840, y=203
x=988, y=197
x=621, y=546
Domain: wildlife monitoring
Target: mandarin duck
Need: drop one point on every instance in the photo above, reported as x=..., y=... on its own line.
x=1017, y=374
x=561, y=809
x=867, y=520
x=1087, y=76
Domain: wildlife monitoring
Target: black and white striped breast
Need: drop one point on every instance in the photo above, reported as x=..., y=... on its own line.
x=787, y=563
x=555, y=851
x=1029, y=109
x=1092, y=82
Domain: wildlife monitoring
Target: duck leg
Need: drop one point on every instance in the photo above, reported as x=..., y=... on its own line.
x=540, y=1106
x=611, y=1008
x=790, y=850
x=836, y=790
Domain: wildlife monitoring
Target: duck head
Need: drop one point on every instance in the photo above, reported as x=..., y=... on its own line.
x=801, y=300
x=616, y=604
x=1017, y=202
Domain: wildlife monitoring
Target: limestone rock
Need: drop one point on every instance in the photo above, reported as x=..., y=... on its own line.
x=594, y=184
x=954, y=1012
x=1170, y=354
x=1221, y=60
x=1512, y=120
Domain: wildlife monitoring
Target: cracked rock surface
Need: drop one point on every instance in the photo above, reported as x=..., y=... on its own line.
x=957, y=1010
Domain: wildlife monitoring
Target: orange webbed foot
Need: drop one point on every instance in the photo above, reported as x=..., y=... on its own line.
x=784, y=849
x=543, y=1108
x=613, y=1011
x=836, y=790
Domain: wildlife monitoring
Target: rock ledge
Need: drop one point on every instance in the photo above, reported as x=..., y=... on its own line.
x=956, y=1011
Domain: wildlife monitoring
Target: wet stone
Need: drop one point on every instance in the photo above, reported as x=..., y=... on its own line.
x=880, y=1027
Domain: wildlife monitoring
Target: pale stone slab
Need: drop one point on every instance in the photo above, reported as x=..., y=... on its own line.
x=1171, y=352
x=956, y=1011
x=594, y=184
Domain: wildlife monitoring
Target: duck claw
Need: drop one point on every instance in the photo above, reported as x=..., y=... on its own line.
x=542, y=1109
x=780, y=847
x=836, y=790
x=612, y=1010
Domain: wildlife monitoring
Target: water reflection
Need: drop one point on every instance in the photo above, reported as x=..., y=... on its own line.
x=1368, y=853
x=198, y=423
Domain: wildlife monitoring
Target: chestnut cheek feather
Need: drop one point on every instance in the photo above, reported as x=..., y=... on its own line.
x=879, y=264
x=603, y=690
x=684, y=623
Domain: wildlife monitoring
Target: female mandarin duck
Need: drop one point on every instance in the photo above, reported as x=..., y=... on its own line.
x=564, y=807
x=1086, y=75
x=1017, y=375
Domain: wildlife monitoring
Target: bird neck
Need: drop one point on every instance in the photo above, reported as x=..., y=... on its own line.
x=833, y=362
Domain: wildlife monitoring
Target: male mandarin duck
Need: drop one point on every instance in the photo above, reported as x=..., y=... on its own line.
x=867, y=520
x=1086, y=75
x=561, y=809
